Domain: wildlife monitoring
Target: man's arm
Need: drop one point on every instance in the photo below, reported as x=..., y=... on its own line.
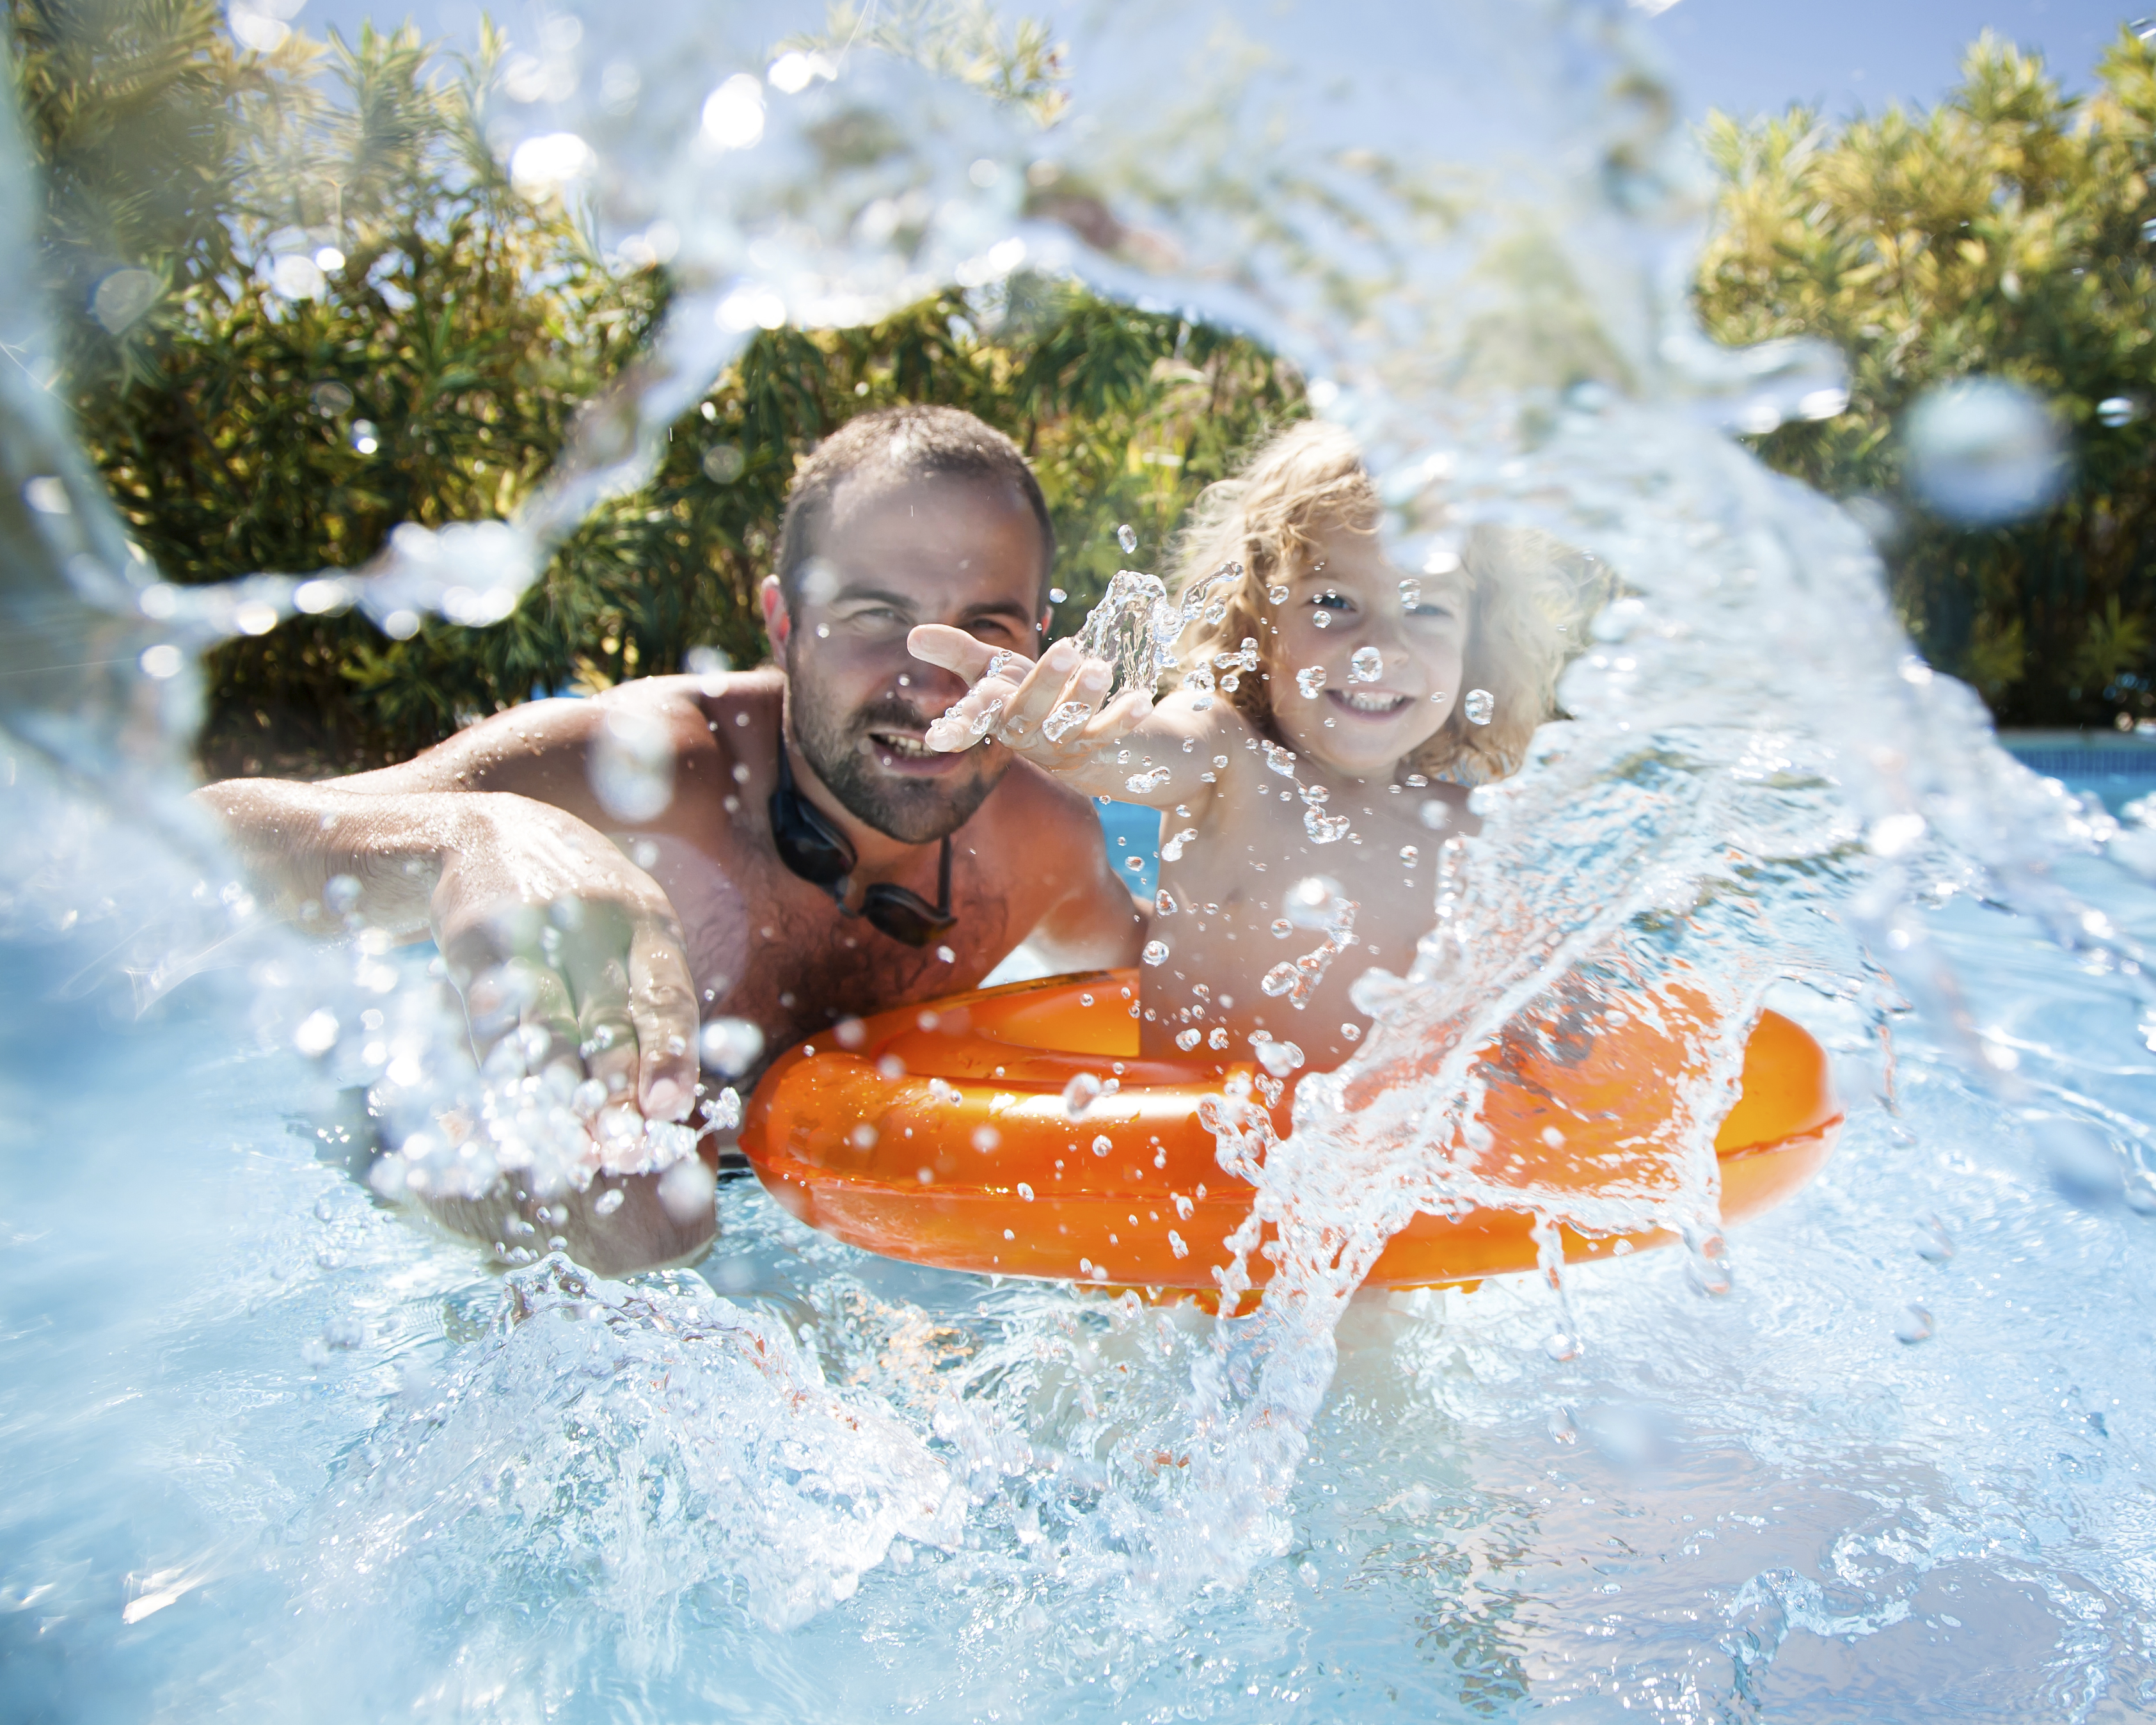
x=542, y=921
x=491, y=876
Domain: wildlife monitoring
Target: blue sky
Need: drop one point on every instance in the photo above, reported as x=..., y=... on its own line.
x=1744, y=55
x=1752, y=55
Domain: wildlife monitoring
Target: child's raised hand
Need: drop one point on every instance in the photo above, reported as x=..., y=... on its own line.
x=1047, y=710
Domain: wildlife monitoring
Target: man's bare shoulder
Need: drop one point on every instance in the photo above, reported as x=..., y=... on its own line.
x=543, y=748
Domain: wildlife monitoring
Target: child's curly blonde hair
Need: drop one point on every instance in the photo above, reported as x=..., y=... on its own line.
x=1521, y=584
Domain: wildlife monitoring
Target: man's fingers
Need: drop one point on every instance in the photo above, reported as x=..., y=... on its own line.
x=662, y=1004
x=608, y=1029
x=508, y=989
x=547, y=1020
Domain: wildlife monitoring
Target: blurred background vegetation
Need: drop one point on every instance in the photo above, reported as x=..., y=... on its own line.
x=317, y=308
x=2009, y=232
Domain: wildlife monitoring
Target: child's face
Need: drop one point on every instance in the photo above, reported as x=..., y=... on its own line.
x=1346, y=603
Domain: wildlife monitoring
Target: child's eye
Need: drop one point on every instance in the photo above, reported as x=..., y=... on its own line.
x=1436, y=609
x=1333, y=602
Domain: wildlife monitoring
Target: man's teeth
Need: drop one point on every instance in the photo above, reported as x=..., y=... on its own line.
x=1363, y=703
x=907, y=749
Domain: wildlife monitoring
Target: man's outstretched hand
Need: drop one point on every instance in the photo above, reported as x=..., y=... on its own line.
x=551, y=935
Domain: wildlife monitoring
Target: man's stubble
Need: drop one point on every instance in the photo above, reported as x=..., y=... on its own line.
x=912, y=811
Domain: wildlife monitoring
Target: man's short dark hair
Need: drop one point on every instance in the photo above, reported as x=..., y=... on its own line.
x=907, y=442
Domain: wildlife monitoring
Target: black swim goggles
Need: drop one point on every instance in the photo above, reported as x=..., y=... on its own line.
x=817, y=851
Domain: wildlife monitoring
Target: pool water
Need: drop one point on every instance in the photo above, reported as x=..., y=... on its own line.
x=274, y=1449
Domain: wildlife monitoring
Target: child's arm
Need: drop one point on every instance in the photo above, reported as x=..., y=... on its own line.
x=1043, y=711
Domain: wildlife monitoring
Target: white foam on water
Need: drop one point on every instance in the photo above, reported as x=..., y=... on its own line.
x=802, y=1481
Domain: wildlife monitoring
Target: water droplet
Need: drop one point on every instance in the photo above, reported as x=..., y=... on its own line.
x=1321, y=619
x=1313, y=901
x=2118, y=410
x=1080, y=1094
x=1278, y=595
x=1025, y=1192
x=1056, y=596
x=317, y=1033
x=1127, y=537
x=1365, y=665
x=1410, y=593
x=1186, y=1040
x=1322, y=829
x=1481, y=707
x=1138, y=783
x=730, y=1045
x=1156, y=952
x=1984, y=451
x=1915, y=1325
x=1279, y=980
x=1934, y=1245
x=1561, y=1345
x=1278, y=1058
x=1309, y=679
x=1103, y=1144
x=1280, y=760
x=631, y=767
x=364, y=437
x=1065, y=719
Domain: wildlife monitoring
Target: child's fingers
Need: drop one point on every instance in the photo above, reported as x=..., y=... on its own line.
x=970, y=719
x=1037, y=696
x=1118, y=717
x=951, y=648
x=998, y=675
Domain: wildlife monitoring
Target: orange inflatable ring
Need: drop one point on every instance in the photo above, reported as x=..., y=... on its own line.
x=942, y=1136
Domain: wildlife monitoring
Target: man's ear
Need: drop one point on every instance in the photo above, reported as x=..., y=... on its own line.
x=778, y=622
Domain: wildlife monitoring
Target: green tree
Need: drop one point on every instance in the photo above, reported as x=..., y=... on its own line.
x=340, y=315
x=2007, y=232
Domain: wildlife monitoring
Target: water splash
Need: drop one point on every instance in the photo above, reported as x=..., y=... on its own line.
x=1757, y=784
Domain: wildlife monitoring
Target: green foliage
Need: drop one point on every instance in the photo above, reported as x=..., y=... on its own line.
x=433, y=374
x=2002, y=232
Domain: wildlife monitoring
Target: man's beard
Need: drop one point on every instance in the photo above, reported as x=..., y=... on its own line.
x=913, y=811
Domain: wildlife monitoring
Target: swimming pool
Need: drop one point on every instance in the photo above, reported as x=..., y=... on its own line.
x=272, y=1449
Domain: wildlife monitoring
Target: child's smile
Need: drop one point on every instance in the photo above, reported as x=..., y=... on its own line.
x=1365, y=661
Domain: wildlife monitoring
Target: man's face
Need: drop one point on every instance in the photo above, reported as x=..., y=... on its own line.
x=959, y=551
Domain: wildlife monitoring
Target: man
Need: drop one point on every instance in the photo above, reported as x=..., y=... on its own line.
x=779, y=845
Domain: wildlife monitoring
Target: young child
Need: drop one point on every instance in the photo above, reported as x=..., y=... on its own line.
x=1332, y=710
